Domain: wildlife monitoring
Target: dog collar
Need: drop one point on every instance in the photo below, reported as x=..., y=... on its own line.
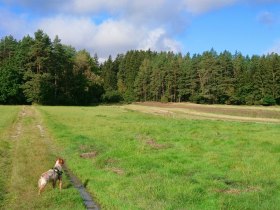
x=58, y=171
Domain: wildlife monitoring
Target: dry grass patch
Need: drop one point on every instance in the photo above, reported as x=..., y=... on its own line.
x=118, y=171
x=213, y=112
x=89, y=155
x=236, y=191
x=151, y=142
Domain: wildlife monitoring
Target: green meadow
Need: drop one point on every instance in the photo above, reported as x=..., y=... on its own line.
x=8, y=115
x=133, y=160
x=25, y=153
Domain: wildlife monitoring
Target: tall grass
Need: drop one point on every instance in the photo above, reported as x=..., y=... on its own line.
x=8, y=115
x=27, y=154
x=153, y=162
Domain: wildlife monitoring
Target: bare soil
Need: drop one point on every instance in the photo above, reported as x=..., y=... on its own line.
x=88, y=155
x=220, y=112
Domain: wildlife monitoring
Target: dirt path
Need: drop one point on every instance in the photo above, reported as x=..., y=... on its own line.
x=33, y=153
x=213, y=112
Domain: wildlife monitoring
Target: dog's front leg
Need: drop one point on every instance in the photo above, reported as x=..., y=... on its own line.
x=54, y=183
x=60, y=184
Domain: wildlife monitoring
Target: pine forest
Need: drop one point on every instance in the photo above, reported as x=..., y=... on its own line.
x=38, y=70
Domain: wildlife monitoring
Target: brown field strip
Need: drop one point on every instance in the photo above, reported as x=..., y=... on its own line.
x=213, y=112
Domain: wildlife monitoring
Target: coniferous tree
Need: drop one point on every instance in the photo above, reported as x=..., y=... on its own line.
x=143, y=81
x=38, y=70
x=185, y=81
x=37, y=76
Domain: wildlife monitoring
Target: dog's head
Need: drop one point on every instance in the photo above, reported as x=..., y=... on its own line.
x=60, y=161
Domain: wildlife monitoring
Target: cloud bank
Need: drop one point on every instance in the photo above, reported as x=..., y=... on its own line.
x=110, y=27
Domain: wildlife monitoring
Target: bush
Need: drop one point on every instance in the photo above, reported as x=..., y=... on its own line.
x=111, y=97
x=164, y=99
x=268, y=101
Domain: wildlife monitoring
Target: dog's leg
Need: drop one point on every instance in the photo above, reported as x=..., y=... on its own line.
x=41, y=188
x=41, y=184
x=54, y=183
x=60, y=184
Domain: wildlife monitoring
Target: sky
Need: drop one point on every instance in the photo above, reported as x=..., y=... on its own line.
x=110, y=27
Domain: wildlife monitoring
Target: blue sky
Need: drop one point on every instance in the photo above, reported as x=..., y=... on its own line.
x=108, y=27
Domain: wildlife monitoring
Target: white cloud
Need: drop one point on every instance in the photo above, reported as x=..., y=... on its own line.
x=124, y=24
x=201, y=6
x=88, y=6
x=114, y=37
x=152, y=40
x=158, y=40
x=122, y=7
x=172, y=45
x=108, y=38
x=74, y=31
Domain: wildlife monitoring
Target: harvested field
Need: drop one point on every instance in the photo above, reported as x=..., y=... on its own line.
x=215, y=112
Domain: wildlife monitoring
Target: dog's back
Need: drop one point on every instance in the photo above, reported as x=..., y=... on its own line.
x=51, y=175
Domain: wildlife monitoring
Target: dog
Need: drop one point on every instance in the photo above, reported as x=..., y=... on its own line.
x=52, y=175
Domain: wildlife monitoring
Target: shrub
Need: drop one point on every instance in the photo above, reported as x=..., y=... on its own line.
x=164, y=99
x=111, y=97
x=268, y=101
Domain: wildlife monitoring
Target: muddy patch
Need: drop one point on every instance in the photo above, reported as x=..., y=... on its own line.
x=236, y=191
x=151, y=142
x=86, y=196
x=118, y=171
x=41, y=129
x=111, y=161
x=18, y=126
x=89, y=155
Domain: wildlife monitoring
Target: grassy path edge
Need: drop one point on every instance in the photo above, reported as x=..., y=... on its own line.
x=32, y=153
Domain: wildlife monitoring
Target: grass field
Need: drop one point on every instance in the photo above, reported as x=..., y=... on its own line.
x=26, y=152
x=134, y=160
x=8, y=115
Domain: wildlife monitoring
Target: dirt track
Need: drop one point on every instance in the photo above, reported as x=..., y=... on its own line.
x=215, y=112
x=32, y=153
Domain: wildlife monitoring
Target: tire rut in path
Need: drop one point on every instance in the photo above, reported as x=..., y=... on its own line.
x=87, y=198
x=30, y=139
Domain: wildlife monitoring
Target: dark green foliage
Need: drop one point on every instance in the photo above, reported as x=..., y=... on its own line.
x=39, y=70
x=112, y=96
x=210, y=78
x=268, y=101
x=129, y=66
x=10, y=72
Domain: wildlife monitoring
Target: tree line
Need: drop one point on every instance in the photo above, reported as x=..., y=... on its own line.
x=44, y=71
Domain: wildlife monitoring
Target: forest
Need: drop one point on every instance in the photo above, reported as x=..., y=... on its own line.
x=38, y=70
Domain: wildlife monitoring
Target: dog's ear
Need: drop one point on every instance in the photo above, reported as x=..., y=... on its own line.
x=61, y=161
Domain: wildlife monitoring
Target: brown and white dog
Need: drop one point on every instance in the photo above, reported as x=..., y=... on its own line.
x=52, y=175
